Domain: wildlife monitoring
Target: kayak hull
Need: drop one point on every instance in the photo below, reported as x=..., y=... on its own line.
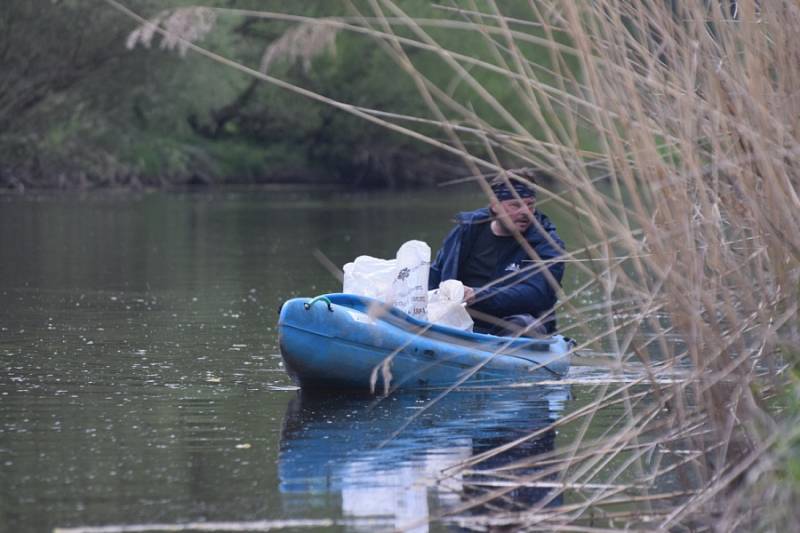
x=343, y=341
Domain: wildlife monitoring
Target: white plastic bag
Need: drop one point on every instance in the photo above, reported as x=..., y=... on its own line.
x=401, y=282
x=445, y=306
x=370, y=276
x=410, y=284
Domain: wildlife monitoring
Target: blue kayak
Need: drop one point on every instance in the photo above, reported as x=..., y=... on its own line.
x=344, y=341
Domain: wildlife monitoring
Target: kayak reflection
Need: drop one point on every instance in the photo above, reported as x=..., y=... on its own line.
x=349, y=457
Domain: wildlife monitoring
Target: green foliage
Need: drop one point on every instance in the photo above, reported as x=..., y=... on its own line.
x=93, y=113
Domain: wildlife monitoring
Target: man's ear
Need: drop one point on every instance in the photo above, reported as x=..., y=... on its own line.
x=493, y=208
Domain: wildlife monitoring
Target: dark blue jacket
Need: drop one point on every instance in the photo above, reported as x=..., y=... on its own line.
x=526, y=290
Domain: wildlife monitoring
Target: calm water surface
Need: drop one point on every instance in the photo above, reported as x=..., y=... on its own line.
x=140, y=379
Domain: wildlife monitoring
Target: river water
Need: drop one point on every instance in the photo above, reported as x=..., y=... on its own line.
x=141, y=383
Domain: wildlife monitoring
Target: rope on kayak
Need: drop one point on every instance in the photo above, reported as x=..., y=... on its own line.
x=308, y=305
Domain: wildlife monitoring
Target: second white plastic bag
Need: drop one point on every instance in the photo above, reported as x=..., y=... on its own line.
x=445, y=306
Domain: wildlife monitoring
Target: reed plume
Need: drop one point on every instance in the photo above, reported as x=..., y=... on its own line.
x=300, y=44
x=181, y=26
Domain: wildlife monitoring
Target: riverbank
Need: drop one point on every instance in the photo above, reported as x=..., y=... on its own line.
x=15, y=182
x=133, y=182
x=226, y=164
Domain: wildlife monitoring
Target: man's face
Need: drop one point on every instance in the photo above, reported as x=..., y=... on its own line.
x=515, y=213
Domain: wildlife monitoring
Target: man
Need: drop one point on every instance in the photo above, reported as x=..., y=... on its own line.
x=507, y=289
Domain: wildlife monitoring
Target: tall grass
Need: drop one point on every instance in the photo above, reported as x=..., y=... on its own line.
x=673, y=130
x=696, y=116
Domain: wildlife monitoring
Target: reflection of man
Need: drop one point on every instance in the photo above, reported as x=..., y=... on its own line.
x=503, y=279
x=519, y=465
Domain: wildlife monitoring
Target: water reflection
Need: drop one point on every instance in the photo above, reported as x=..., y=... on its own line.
x=340, y=454
x=140, y=372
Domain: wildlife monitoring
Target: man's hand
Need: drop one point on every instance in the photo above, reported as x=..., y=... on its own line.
x=469, y=294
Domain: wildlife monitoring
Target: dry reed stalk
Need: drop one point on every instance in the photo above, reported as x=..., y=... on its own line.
x=694, y=114
x=717, y=94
